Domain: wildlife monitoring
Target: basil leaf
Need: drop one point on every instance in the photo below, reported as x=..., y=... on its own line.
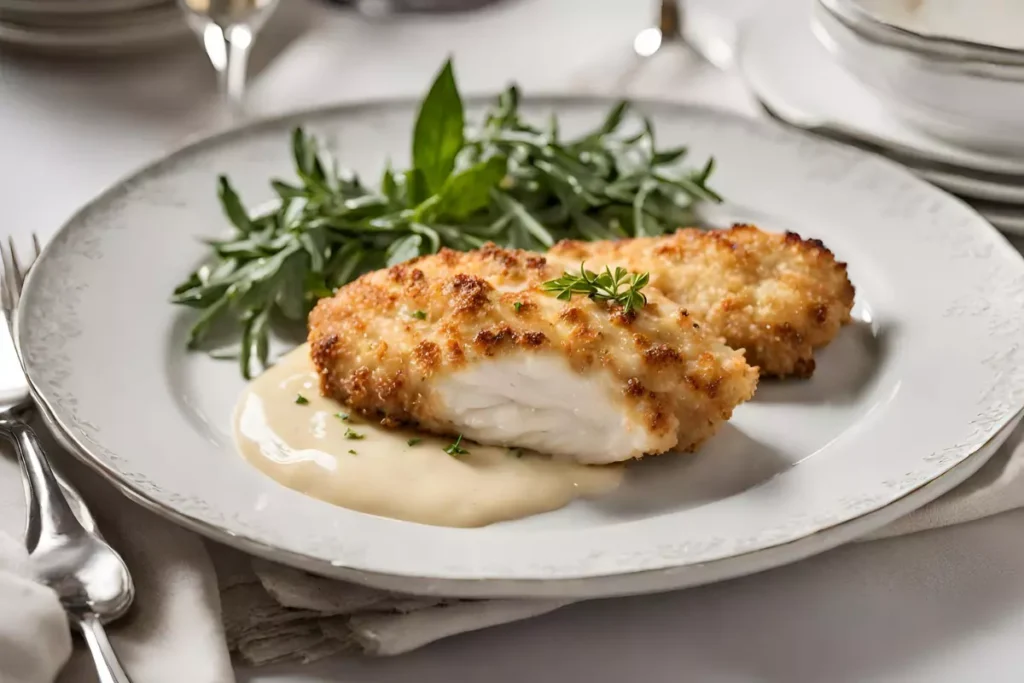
x=214, y=312
x=614, y=118
x=404, y=249
x=694, y=188
x=705, y=172
x=438, y=135
x=639, y=218
x=469, y=191
x=388, y=186
x=528, y=223
x=254, y=338
x=343, y=264
x=291, y=286
x=415, y=187
x=302, y=152
x=432, y=236
x=291, y=213
x=591, y=229
x=232, y=205
x=315, y=244
x=669, y=156
x=286, y=191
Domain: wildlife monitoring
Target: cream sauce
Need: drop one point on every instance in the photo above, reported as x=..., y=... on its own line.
x=305, y=444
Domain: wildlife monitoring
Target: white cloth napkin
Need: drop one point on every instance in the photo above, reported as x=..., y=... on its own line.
x=173, y=632
x=199, y=602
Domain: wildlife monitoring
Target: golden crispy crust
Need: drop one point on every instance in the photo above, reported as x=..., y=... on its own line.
x=380, y=340
x=777, y=296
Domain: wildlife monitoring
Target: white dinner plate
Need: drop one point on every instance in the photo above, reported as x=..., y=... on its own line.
x=95, y=21
x=76, y=7
x=972, y=185
x=1009, y=219
x=98, y=35
x=788, y=69
x=976, y=187
x=897, y=413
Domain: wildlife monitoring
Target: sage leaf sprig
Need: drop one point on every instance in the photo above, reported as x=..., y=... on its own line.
x=617, y=286
x=503, y=179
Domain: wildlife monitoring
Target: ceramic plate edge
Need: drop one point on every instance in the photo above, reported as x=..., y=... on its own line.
x=587, y=586
x=614, y=585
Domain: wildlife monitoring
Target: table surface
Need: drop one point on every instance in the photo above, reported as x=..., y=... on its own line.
x=937, y=607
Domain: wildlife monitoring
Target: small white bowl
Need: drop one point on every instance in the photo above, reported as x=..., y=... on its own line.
x=966, y=92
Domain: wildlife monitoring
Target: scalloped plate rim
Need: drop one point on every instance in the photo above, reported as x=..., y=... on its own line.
x=588, y=585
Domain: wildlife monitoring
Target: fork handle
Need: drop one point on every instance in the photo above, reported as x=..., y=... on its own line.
x=108, y=667
x=49, y=514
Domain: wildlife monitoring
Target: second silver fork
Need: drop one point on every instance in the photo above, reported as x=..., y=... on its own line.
x=89, y=577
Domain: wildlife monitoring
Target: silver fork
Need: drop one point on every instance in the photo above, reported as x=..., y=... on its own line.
x=89, y=577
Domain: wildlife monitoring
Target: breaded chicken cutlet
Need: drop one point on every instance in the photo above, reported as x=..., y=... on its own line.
x=777, y=296
x=468, y=343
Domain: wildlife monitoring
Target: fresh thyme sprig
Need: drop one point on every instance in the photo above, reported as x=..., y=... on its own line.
x=504, y=180
x=455, y=449
x=618, y=286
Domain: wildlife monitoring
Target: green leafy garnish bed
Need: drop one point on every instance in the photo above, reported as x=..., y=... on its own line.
x=505, y=180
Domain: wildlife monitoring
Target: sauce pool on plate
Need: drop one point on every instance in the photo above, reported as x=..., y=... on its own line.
x=312, y=444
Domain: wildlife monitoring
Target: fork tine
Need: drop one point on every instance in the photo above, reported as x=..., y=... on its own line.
x=6, y=288
x=13, y=272
x=16, y=270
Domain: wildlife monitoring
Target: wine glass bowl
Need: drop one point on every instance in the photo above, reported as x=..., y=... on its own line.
x=227, y=29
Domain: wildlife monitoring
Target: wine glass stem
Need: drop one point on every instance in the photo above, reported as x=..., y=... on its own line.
x=239, y=40
x=228, y=49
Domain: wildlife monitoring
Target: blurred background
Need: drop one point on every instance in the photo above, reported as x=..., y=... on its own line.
x=91, y=89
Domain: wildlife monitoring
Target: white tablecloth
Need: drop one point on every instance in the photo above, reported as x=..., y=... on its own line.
x=938, y=607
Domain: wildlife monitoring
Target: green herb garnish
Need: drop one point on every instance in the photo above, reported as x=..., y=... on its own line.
x=503, y=179
x=419, y=315
x=301, y=400
x=456, y=449
x=517, y=305
x=352, y=434
x=617, y=286
x=352, y=452
x=342, y=416
x=413, y=442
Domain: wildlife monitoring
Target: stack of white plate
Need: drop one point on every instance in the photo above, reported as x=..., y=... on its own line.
x=947, y=107
x=83, y=27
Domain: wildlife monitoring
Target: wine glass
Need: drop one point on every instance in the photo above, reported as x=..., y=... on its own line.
x=228, y=29
x=673, y=27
